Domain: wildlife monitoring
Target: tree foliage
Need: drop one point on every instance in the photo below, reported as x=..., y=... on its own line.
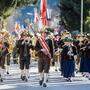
x=7, y=6
x=87, y=16
x=70, y=13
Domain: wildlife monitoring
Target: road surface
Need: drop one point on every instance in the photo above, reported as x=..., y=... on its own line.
x=56, y=81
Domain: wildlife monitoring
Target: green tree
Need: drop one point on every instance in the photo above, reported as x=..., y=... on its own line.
x=87, y=16
x=7, y=6
x=70, y=13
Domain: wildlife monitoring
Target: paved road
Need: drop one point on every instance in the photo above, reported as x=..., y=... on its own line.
x=56, y=81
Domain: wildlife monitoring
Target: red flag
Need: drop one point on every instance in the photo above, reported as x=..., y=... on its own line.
x=44, y=11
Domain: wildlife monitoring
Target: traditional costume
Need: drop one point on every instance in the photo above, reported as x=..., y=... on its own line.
x=44, y=59
x=67, y=60
x=24, y=45
x=85, y=60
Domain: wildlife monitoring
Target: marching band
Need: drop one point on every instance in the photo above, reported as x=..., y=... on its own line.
x=67, y=54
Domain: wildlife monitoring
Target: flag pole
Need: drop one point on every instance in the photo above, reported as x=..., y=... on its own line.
x=81, y=17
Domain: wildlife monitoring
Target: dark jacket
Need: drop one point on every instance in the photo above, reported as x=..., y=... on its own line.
x=58, y=44
x=24, y=48
x=38, y=48
x=65, y=55
x=87, y=51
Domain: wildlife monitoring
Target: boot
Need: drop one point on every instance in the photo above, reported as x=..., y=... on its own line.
x=7, y=72
x=68, y=80
x=25, y=79
x=1, y=80
x=40, y=82
x=44, y=85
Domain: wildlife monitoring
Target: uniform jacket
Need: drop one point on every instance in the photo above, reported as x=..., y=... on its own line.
x=38, y=47
x=65, y=55
x=21, y=48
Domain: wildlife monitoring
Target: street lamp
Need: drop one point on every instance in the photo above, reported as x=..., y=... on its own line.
x=81, y=17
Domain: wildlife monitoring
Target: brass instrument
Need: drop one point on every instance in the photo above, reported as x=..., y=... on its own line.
x=57, y=54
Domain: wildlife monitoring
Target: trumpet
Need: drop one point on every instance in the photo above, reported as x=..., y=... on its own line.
x=83, y=48
x=57, y=51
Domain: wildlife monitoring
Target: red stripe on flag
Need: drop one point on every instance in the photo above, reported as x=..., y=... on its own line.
x=44, y=11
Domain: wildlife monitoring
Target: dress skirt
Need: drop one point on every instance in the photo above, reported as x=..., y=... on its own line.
x=67, y=68
x=85, y=64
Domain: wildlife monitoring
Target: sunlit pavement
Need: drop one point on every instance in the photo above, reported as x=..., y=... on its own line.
x=56, y=81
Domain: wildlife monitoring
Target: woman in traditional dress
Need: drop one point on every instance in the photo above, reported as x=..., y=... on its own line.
x=85, y=59
x=67, y=59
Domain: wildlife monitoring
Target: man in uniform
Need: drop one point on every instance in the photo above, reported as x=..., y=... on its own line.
x=58, y=43
x=44, y=59
x=4, y=51
x=24, y=45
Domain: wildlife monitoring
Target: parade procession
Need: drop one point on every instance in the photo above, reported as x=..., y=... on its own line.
x=41, y=46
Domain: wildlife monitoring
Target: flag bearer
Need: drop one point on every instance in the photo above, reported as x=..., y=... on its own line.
x=44, y=58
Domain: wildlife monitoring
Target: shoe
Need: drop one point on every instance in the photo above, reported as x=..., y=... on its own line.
x=44, y=85
x=77, y=71
x=26, y=80
x=83, y=74
x=56, y=70
x=47, y=80
x=1, y=79
x=53, y=63
x=28, y=76
x=40, y=82
x=68, y=80
x=23, y=78
x=7, y=72
x=15, y=62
